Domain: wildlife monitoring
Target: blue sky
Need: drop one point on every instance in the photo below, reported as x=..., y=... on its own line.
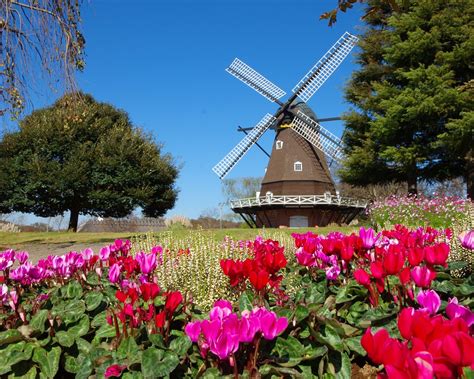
x=164, y=63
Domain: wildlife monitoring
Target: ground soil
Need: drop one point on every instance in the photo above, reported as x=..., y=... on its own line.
x=42, y=250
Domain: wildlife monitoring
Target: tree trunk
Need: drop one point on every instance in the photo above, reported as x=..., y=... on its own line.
x=73, y=220
x=412, y=185
x=470, y=175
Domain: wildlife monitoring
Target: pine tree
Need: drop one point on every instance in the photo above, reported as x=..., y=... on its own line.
x=413, y=96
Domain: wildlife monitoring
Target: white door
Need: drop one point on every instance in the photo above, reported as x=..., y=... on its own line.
x=298, y=222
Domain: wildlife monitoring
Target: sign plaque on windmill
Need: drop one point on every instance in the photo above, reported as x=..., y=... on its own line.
x=297, y=189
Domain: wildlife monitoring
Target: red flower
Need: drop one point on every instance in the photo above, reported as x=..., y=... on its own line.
x=362, y=277
x=404, y=276
x=437, y=255
x=458, y=347
x=149, y=291
x=259, y=279
x=160, y=319
x=121, y=296
x=173, y=299
x=422, y=276
x=393, y=260
x=347, y=250
x=376, y=269
x=416, y=255
x=374, y=344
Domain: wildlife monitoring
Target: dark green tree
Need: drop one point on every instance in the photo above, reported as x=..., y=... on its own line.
x=413, y=102
x=85, y=157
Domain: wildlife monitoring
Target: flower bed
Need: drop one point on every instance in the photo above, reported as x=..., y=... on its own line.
x=336, y=305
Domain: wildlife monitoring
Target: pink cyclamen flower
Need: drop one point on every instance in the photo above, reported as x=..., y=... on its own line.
x=429, y=300
x=422, y=276
x=114, y=273
x=114, y=370
x=455, y=310
x=368, y=237
x=304, y=258
x=272, y=325
x=21, y=256
x=147, y=262
x=467, y=240
x=104, y=253
x=158, y=251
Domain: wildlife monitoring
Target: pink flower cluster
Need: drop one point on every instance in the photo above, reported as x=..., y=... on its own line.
x=225, y=331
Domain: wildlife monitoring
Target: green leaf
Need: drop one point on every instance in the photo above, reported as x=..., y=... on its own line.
x=39, y=319
x=18, y=352
x=105, y=331
x=30, y=374
x=317, y=293
x=301, y=313
x=85, y=368
x=346, y=367
x=181, y=345
x=158, y=363
x=329, y=337
x=290, y=349
x=64, y=338
x=93, y=278
x=81, y=328
x=83, y=346
x=73, y=290
x=128, y=349
x=47, y=361
x=245, y=301
x=73, y=311
x=353, y=344
x=93, y=300
x=157, y=340
x=71, y=365
x=10, y=336
x=99, y=320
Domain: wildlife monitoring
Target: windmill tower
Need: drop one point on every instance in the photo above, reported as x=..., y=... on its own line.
x=297, y=189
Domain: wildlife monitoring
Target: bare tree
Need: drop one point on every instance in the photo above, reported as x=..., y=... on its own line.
x=38, y=39
x=241, y=187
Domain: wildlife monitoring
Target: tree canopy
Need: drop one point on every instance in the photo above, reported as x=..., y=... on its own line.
x=413, y=96
x=86, y=157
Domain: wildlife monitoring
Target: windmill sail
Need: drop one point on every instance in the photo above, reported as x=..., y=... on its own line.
x=231, y=159
x=255, y=80
x=320, y=137
x=324, y=68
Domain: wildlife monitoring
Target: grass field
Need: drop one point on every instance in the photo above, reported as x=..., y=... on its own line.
x=9, y=239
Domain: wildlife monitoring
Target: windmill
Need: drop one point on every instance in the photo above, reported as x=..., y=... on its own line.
x=297, y=189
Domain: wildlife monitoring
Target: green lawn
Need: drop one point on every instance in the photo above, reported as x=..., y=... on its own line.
x=9, y=239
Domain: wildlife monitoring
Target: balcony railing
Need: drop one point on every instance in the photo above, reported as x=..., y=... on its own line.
x=298, y=201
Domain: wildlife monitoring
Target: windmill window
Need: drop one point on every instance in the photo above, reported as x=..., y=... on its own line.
x=279, y=145
x=298, y=166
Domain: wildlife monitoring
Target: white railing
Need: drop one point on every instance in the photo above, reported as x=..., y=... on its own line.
x=298, y=200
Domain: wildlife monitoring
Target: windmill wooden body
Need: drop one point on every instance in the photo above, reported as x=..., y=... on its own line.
x=297, y=189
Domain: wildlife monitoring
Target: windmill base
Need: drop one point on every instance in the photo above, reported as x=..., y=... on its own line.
x=297, y=211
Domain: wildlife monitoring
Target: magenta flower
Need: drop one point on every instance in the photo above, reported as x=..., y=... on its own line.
x=272, y=325
x=467, y=240
x=422, y=276
x=147, y=262
x=304, y=258
x=21, y=256
x=104, y=253
x=114, y=370
x=6, y=259
x=158, y=251
x=368, y=237
x=454, y=310
x=429, y=300
x=114, y=273
x=193, y=330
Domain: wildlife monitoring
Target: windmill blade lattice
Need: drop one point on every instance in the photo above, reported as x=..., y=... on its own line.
x=255, y=80
x=231, y=159
x=320, y=137
x=324, y=68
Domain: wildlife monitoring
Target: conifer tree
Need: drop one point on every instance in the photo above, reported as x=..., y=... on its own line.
x=413, y=96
